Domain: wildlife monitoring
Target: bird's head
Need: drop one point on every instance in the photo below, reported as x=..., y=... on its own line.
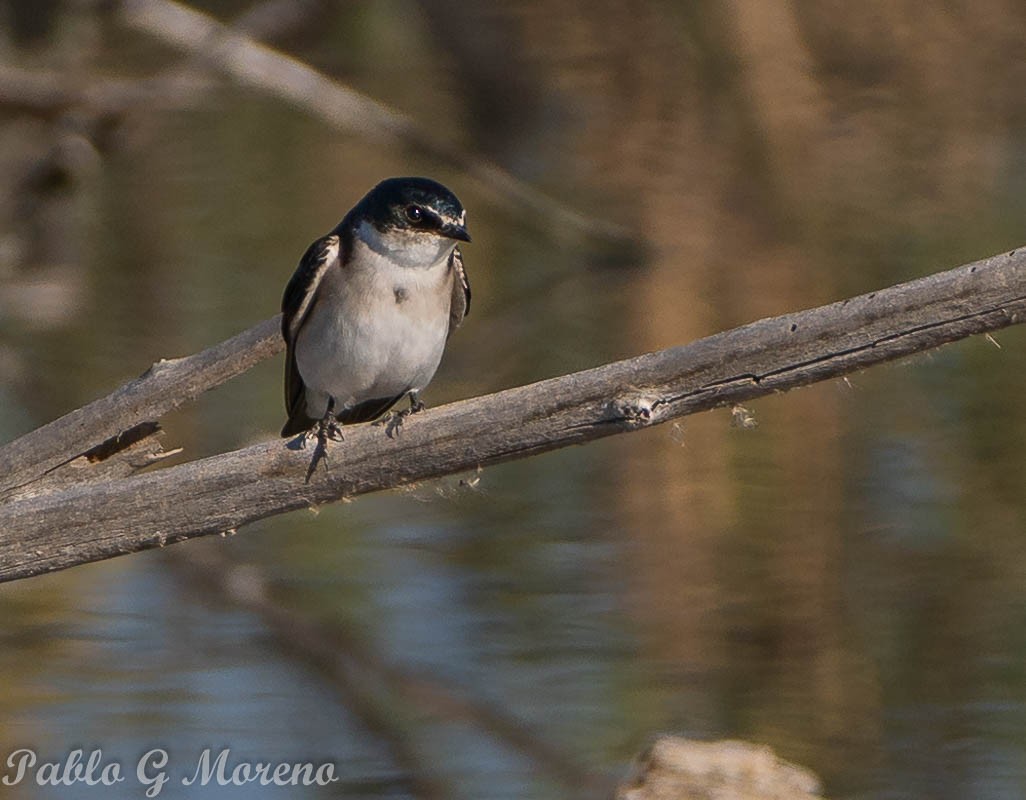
x=414, y=207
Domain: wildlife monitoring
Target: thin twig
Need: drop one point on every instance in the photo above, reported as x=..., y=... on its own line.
x=256, y=65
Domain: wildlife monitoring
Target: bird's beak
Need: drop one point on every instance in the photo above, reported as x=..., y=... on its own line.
x=455, y=231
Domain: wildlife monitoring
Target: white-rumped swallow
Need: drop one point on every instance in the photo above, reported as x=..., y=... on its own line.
x=369, y=309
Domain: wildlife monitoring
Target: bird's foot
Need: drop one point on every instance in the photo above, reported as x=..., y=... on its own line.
x=393, y=422
x=327, y=428
x=395, y=419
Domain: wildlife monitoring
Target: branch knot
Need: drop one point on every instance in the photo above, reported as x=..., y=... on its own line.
x=632, y=412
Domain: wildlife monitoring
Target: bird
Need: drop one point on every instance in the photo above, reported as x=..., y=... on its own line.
x=368, y=311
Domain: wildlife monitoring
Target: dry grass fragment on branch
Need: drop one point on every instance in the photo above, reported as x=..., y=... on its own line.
x=56, y=529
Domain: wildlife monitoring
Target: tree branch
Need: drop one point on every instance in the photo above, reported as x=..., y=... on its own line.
x=254, y=64
x=163, y=387
x=87, y=523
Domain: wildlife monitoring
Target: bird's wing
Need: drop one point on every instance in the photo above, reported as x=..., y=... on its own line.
x=295, y=306
x=460, y=306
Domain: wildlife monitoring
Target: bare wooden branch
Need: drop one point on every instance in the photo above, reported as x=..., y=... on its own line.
x=61, y=529
x=256, y=65
x=118, y=457
x=164, y=386
x=49, y=93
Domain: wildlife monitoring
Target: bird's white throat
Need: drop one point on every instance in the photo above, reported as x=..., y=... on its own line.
x=408, y=249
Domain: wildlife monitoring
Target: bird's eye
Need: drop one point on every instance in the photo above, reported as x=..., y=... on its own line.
x=414, y=213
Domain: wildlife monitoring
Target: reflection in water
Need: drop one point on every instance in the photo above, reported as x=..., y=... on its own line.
x=842, y=582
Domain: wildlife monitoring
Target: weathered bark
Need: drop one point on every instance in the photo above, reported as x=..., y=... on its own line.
x=63, y=528
x=118, y=457
x=162, y=388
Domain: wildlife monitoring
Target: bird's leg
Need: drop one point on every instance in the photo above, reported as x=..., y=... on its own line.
x=328, y=427
x=394, y=426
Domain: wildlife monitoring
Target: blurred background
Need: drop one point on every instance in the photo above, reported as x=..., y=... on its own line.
x=845, y=581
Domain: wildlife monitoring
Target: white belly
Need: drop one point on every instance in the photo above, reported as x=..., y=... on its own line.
x=373, y=333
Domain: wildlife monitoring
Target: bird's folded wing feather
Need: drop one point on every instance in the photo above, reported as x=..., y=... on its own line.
x=460, y=306
x=296, y=303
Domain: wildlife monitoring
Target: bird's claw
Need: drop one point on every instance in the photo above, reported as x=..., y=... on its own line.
x=327, y=428
x=394, y=422
x=334, y=432
x=396, y=419
x=322, y=432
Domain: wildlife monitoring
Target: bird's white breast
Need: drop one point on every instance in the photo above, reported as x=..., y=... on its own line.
x=379, y=324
